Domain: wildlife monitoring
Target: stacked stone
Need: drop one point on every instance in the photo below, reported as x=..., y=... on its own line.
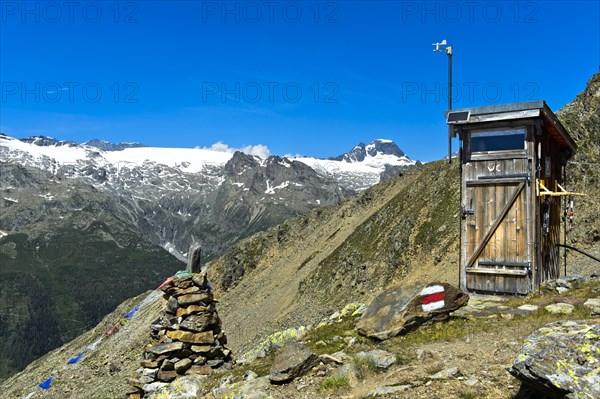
x=187, y=337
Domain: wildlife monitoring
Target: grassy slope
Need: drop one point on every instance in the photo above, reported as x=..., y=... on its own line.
x=401, y=231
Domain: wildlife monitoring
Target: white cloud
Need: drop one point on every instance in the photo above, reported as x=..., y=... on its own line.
x=258, y=149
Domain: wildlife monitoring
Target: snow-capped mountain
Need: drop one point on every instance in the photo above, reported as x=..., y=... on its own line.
x=364, y=165
x=173, y=195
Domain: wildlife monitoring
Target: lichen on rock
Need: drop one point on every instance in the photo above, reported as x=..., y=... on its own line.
x=561, y=359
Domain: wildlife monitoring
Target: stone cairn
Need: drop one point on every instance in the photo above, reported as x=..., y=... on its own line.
x=187, y=337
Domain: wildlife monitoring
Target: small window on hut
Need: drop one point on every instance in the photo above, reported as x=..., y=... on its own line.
x=498, y=140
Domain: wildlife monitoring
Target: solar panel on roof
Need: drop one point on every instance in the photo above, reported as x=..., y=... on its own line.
x=458, y=116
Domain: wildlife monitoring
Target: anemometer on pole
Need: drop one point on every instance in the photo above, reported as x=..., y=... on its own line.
x=439, y=47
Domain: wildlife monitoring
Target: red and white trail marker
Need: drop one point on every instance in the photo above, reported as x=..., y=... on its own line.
x=432, y=298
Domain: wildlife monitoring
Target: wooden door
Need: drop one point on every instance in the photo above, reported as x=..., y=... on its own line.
x=496, y=252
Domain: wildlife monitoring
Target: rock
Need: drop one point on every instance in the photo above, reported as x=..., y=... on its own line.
x=155, y=386
x=168, y=364
x=528, y=308
x=200, y=360
x=399, y=310
x=191, y=299
x=560, y=308
x=294, y=361
x=161, y=349
x=251, y=389
x=328, y=359
x=471, y=381
x=250, y=375
x=189, y=386
x=199, y=322
x=200, y=348
x=594, y=305
x=201, y=370
x=380, y=358
x=166, y=375
x=194, y=309
x=186, y=291
x=191, y=326
x=445, y=374
x=200, y=280
x=172, y=305
x=192, y=338
x=343, y=356
x=182, y=365
x=194, y=255
x=349, y=372
x=214, y=363
x=561, y=360
x=561, y=290
x=151, y=364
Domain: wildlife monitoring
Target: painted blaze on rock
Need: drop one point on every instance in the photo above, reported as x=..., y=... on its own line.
x=401, y=309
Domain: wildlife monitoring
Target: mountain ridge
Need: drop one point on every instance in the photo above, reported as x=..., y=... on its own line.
x=400, y=231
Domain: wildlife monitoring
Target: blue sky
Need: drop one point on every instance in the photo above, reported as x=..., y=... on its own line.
x=308, y=77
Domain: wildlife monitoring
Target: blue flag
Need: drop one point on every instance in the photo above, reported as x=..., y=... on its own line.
x=130, y=314
x=75, y=359
x=46, y=384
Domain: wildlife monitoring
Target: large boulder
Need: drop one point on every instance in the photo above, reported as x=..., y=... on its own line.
x=400, y=309
x=295, y=361
x=561, y=360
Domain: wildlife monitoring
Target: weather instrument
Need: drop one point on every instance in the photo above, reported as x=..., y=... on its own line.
x=439, y=47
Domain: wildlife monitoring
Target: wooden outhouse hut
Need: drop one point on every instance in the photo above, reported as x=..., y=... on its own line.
x=513, y=159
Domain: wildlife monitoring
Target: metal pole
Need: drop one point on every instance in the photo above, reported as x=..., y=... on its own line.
x=449, y=52
x=565, y=213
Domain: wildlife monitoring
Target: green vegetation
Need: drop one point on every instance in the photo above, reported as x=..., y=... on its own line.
x=365, y=366
x=456, y=328
x=329, y=338
x=334, y=382
x=54, y=288
x=470, y=395
x=424, y=227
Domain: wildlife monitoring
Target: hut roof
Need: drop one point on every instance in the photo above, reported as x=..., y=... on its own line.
x=523, y=110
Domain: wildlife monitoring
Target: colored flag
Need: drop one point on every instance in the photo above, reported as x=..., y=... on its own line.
x=75, y=359
x=93, y=346
x=46, y=384
x=432, y=298
x=132, y=312
x=167, y=282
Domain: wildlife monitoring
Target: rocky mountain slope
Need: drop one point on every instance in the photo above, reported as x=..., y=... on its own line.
x=87, y=211
x=401, y=231
x=582, y=119
x=176, y=195
x=66, y=262
x=464, y=357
